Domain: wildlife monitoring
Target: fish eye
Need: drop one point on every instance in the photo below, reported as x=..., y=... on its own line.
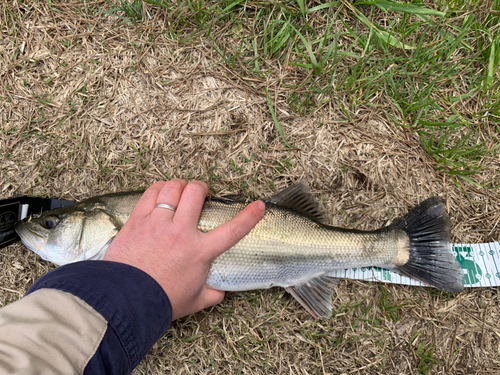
x=50, y=222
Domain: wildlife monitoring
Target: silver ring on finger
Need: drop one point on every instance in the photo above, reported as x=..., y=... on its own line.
x=167, y=206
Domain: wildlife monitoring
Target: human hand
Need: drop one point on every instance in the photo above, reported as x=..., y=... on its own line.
x=168, y=246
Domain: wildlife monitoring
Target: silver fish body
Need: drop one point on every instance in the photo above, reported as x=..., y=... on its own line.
x=285, y=249
x=291, y=247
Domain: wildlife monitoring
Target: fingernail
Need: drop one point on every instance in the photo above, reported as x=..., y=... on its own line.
x=261, y=205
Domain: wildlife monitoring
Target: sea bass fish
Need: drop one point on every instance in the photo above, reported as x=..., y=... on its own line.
x=293, y=246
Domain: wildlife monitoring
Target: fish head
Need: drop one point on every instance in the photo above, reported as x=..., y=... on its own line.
x=69, y=234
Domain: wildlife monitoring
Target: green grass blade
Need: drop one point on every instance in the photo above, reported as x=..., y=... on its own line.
x=229, y=7
x=302, y=7
x=402, y=7
x=316, y=67
x=322, y=6
x=382, y=35
x=470, y=181
x=390, y=39
x=157, y=3
x=275, y=119
x=493, y=62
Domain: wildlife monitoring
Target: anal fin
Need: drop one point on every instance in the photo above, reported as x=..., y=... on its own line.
x=315, y=295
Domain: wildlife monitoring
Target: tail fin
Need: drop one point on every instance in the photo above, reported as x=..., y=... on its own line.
x=430, y=261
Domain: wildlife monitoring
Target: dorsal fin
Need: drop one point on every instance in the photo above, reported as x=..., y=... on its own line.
x=315, y=295
x=300, y=199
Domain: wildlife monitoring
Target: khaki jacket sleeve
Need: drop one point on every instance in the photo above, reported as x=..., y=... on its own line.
x=89, y=317
x=49, y=332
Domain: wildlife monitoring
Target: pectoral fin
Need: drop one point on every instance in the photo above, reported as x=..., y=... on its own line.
x=315, y=295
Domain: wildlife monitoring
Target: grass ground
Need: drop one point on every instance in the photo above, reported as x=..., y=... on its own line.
x=377, y=106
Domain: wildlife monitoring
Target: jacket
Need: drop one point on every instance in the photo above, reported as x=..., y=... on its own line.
x=89, y=317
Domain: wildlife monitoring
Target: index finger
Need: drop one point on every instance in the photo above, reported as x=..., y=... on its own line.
x=229, y=234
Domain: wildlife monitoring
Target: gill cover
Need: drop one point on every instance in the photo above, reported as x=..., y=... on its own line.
x=98, y=231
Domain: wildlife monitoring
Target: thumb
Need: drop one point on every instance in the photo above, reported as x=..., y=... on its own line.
x=229, y=234
x=212, y=297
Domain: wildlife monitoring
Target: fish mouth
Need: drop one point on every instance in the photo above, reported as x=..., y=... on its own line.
x=31, y=239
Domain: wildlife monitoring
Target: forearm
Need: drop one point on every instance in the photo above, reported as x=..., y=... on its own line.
x=90, y=317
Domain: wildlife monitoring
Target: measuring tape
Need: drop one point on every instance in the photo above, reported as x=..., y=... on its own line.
x=480, y=263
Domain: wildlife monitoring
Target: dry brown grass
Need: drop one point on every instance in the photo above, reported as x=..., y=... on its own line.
x=89, y=106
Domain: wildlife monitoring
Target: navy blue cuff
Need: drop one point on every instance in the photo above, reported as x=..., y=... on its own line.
x=134, y=304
